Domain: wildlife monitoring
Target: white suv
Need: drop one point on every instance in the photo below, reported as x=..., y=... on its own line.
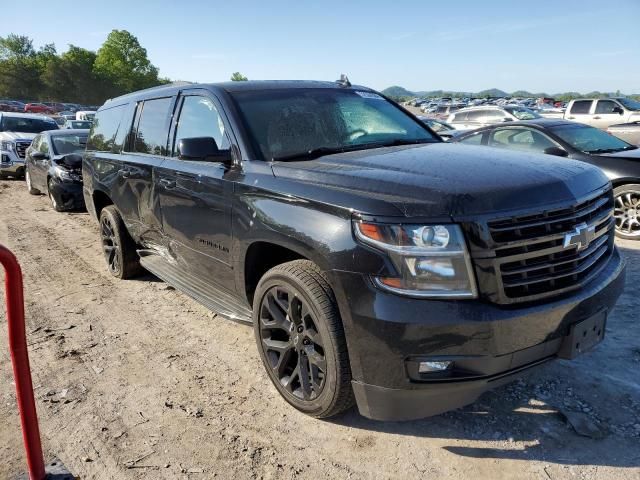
x=16, y=132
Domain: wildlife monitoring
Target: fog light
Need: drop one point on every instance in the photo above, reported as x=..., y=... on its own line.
x=432, y=367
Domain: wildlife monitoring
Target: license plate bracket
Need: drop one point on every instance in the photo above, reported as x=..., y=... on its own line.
x=583, y=336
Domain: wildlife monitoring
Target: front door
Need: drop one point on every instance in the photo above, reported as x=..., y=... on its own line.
x=195, y=196
x=605, y=114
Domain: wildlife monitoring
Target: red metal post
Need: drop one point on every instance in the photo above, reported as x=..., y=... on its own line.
x=20, y=359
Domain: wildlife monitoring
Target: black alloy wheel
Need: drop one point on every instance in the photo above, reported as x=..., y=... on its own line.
x=120, y=251
x=110, y=245
x=301, y=339
x=292, y=343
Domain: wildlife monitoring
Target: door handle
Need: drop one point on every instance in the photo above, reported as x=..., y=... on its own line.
x=596, y=118
x=168, y=184
x=571, y=118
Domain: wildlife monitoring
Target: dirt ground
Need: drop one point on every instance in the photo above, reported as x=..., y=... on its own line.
x=136, y=380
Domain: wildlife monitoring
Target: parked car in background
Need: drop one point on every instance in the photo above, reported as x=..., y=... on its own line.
x=475, y=117
x=375, y=262
x=54, y=106
x=443, y=129
x=53, y=166
x=442, y=111
x=77, y=124
x=37, y=108
x=629, y=132
x=16, y=132
x=604, y=112
x=619, y=160
x=85, y=115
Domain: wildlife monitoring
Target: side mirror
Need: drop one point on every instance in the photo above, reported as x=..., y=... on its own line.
x=203, y=149
x=39, y=156
x=507, y=119
x=557, y=151
x=618, y=110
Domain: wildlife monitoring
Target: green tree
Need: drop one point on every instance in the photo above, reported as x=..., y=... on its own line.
x=70, y=77
x=20, y=68
x=122, y=62
x=238, y=77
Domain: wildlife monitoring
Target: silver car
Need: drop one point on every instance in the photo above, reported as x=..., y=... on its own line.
x=476, y=117
x=629, y=132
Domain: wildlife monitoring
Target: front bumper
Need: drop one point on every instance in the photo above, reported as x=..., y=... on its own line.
x=68, y=195
x=11, y=164
x=493, y=344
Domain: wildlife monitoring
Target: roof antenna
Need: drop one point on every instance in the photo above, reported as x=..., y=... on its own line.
x=344, y=80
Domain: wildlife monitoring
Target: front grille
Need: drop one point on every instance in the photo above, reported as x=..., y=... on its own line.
x=21, y=148
x=530, y=260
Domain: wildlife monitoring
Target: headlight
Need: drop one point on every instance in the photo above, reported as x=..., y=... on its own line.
x=63, y=174
x=6, y=145
x=431, y=260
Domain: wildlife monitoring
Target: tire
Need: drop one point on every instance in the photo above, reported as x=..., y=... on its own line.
x=627, y=211
x=54, y=201
x=27, y=178
x=299, y=334
x=117, y=245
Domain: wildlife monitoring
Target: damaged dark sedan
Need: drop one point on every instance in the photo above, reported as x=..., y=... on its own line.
x=54, y=167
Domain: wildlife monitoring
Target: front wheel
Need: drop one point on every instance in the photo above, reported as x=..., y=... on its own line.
x=118, y=246
x=301, y=339
x=27, y=178
x=627, y=211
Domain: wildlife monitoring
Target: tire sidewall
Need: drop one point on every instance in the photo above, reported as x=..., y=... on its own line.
x=326, y=399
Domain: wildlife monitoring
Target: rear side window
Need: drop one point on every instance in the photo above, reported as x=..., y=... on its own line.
x=152, y=131
x=581, y=106
x=105, y=127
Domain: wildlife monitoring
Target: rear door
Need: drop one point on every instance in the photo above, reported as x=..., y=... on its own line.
x=580, y=111
x=195, y=196
x=144, y=150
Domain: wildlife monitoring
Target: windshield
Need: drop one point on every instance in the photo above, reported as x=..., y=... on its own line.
x=26, y=125
x=591, y=140
x=285, y=123
x=629, y=104
x=65, y=144
x=522, y=113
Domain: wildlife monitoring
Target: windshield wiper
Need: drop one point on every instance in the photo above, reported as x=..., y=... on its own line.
x=612, y=150
x=322, y=151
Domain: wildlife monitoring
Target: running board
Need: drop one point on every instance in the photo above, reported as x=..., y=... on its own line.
x=211, y=297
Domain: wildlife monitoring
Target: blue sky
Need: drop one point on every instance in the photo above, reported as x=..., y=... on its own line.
x=552, y=46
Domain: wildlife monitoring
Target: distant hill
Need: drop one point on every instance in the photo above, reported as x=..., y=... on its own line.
x=396, y=91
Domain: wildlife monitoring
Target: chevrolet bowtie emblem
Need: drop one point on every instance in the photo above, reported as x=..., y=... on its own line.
x=581, y=236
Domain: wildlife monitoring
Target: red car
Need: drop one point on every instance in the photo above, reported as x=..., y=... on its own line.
x=37, y=108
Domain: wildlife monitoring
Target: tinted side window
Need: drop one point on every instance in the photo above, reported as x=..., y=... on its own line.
x=44, y=145
x=475, y=139
x=581, y=106
x=199, y=117
x=151, y=135
x=105, y=127
x=606, y=106
x=474, y=115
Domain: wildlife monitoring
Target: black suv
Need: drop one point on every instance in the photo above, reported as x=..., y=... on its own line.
x=376, y=263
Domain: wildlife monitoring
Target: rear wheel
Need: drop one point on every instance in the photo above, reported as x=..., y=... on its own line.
x=27, y=178
x=117, y=245
x=301, y=340
x=627, y=211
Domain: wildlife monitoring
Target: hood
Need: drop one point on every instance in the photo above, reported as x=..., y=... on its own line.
x=630, y=154
x=443, y=179
x=72, y=161
x=17, y=136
